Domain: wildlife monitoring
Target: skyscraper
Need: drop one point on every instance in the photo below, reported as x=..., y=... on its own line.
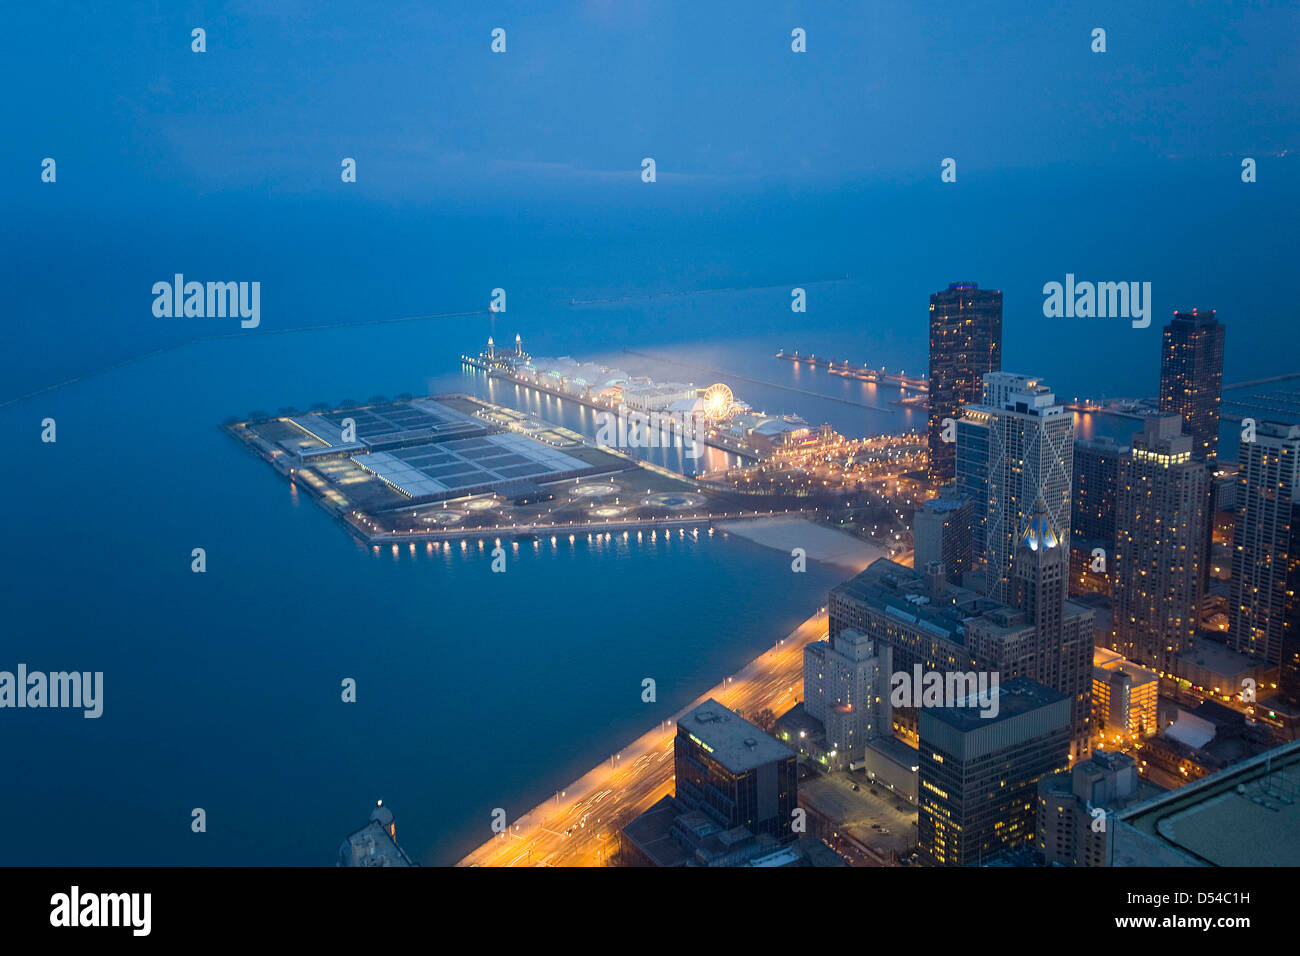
x=1030, y=456
x=1267, y=486
x=1061, y=654
x=1289, y=673
x=1160, y=521
x=965, y=342
x=1191, y=377
x=977, y=793
x=973, y=475
x=941, y=531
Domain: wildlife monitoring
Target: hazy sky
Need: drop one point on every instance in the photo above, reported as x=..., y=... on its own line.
x=586, y=89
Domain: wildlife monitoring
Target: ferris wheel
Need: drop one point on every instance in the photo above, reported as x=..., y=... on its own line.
x=717, y=400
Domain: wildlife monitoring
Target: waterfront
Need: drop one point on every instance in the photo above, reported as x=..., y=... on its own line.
x=475, y=690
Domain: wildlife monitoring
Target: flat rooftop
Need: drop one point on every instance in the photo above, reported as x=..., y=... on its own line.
x=1245, y=815
x=1016, y=696
x=465, y=463
x=733, y=741
x=372, y=846
x=902, y=593
x=421, y=419
x=1221, y=660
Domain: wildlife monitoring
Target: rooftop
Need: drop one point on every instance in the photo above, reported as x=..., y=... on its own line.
x=902, y=593
x=1244, y=815
x=733, y=741
x=1016, y=696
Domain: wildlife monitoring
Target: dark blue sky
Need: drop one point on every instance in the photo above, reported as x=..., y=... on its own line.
x=478, y=170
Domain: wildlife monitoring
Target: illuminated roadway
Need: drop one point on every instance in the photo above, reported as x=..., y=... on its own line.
x=611, y=795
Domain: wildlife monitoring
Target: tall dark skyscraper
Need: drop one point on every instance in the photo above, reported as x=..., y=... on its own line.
x=965, y=342
x=977, y=792
x=1268, y=485
x=1289, y=672
x=1191, y=377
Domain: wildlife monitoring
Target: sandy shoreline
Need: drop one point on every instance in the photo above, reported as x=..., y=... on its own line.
x=827, y=545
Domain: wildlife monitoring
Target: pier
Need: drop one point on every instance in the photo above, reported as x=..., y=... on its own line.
x=862, y=374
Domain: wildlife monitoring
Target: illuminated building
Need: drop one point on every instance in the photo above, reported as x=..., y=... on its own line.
x=978, y=776
x=926, y=621
x=733, y=773
x=1125, y=696
x=965, y=342
x=1160, y=527
x=1267, y=486
x=1191, y=377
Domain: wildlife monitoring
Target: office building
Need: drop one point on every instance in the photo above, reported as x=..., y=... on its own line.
x=1267, y=483
x=733, y=773
x=1191, y=378
x=1061, y=648
x=1161, y=527
x=1030, y=457
x=978, y=776
x=965, y=342
x=1076, y=809
x=941, y=532
x=927, y=622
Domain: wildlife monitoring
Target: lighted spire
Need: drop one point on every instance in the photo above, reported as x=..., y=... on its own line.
x=1039, y=533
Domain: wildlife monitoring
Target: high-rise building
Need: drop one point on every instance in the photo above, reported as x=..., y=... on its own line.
x=1030, y=457
x=1268, y=485
x=973, y=475
x=1062, y=649
x=846, y=688
x=735, y=774
x=941, y=531
x=965, y=342
x=1191, y=377
x=978, y=775
x=1096, y=480
x=1289, y=671
x=1160, y=522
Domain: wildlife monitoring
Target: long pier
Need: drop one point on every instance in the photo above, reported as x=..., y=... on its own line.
x=543, y=530
x=864, y=374
x=714, y=441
